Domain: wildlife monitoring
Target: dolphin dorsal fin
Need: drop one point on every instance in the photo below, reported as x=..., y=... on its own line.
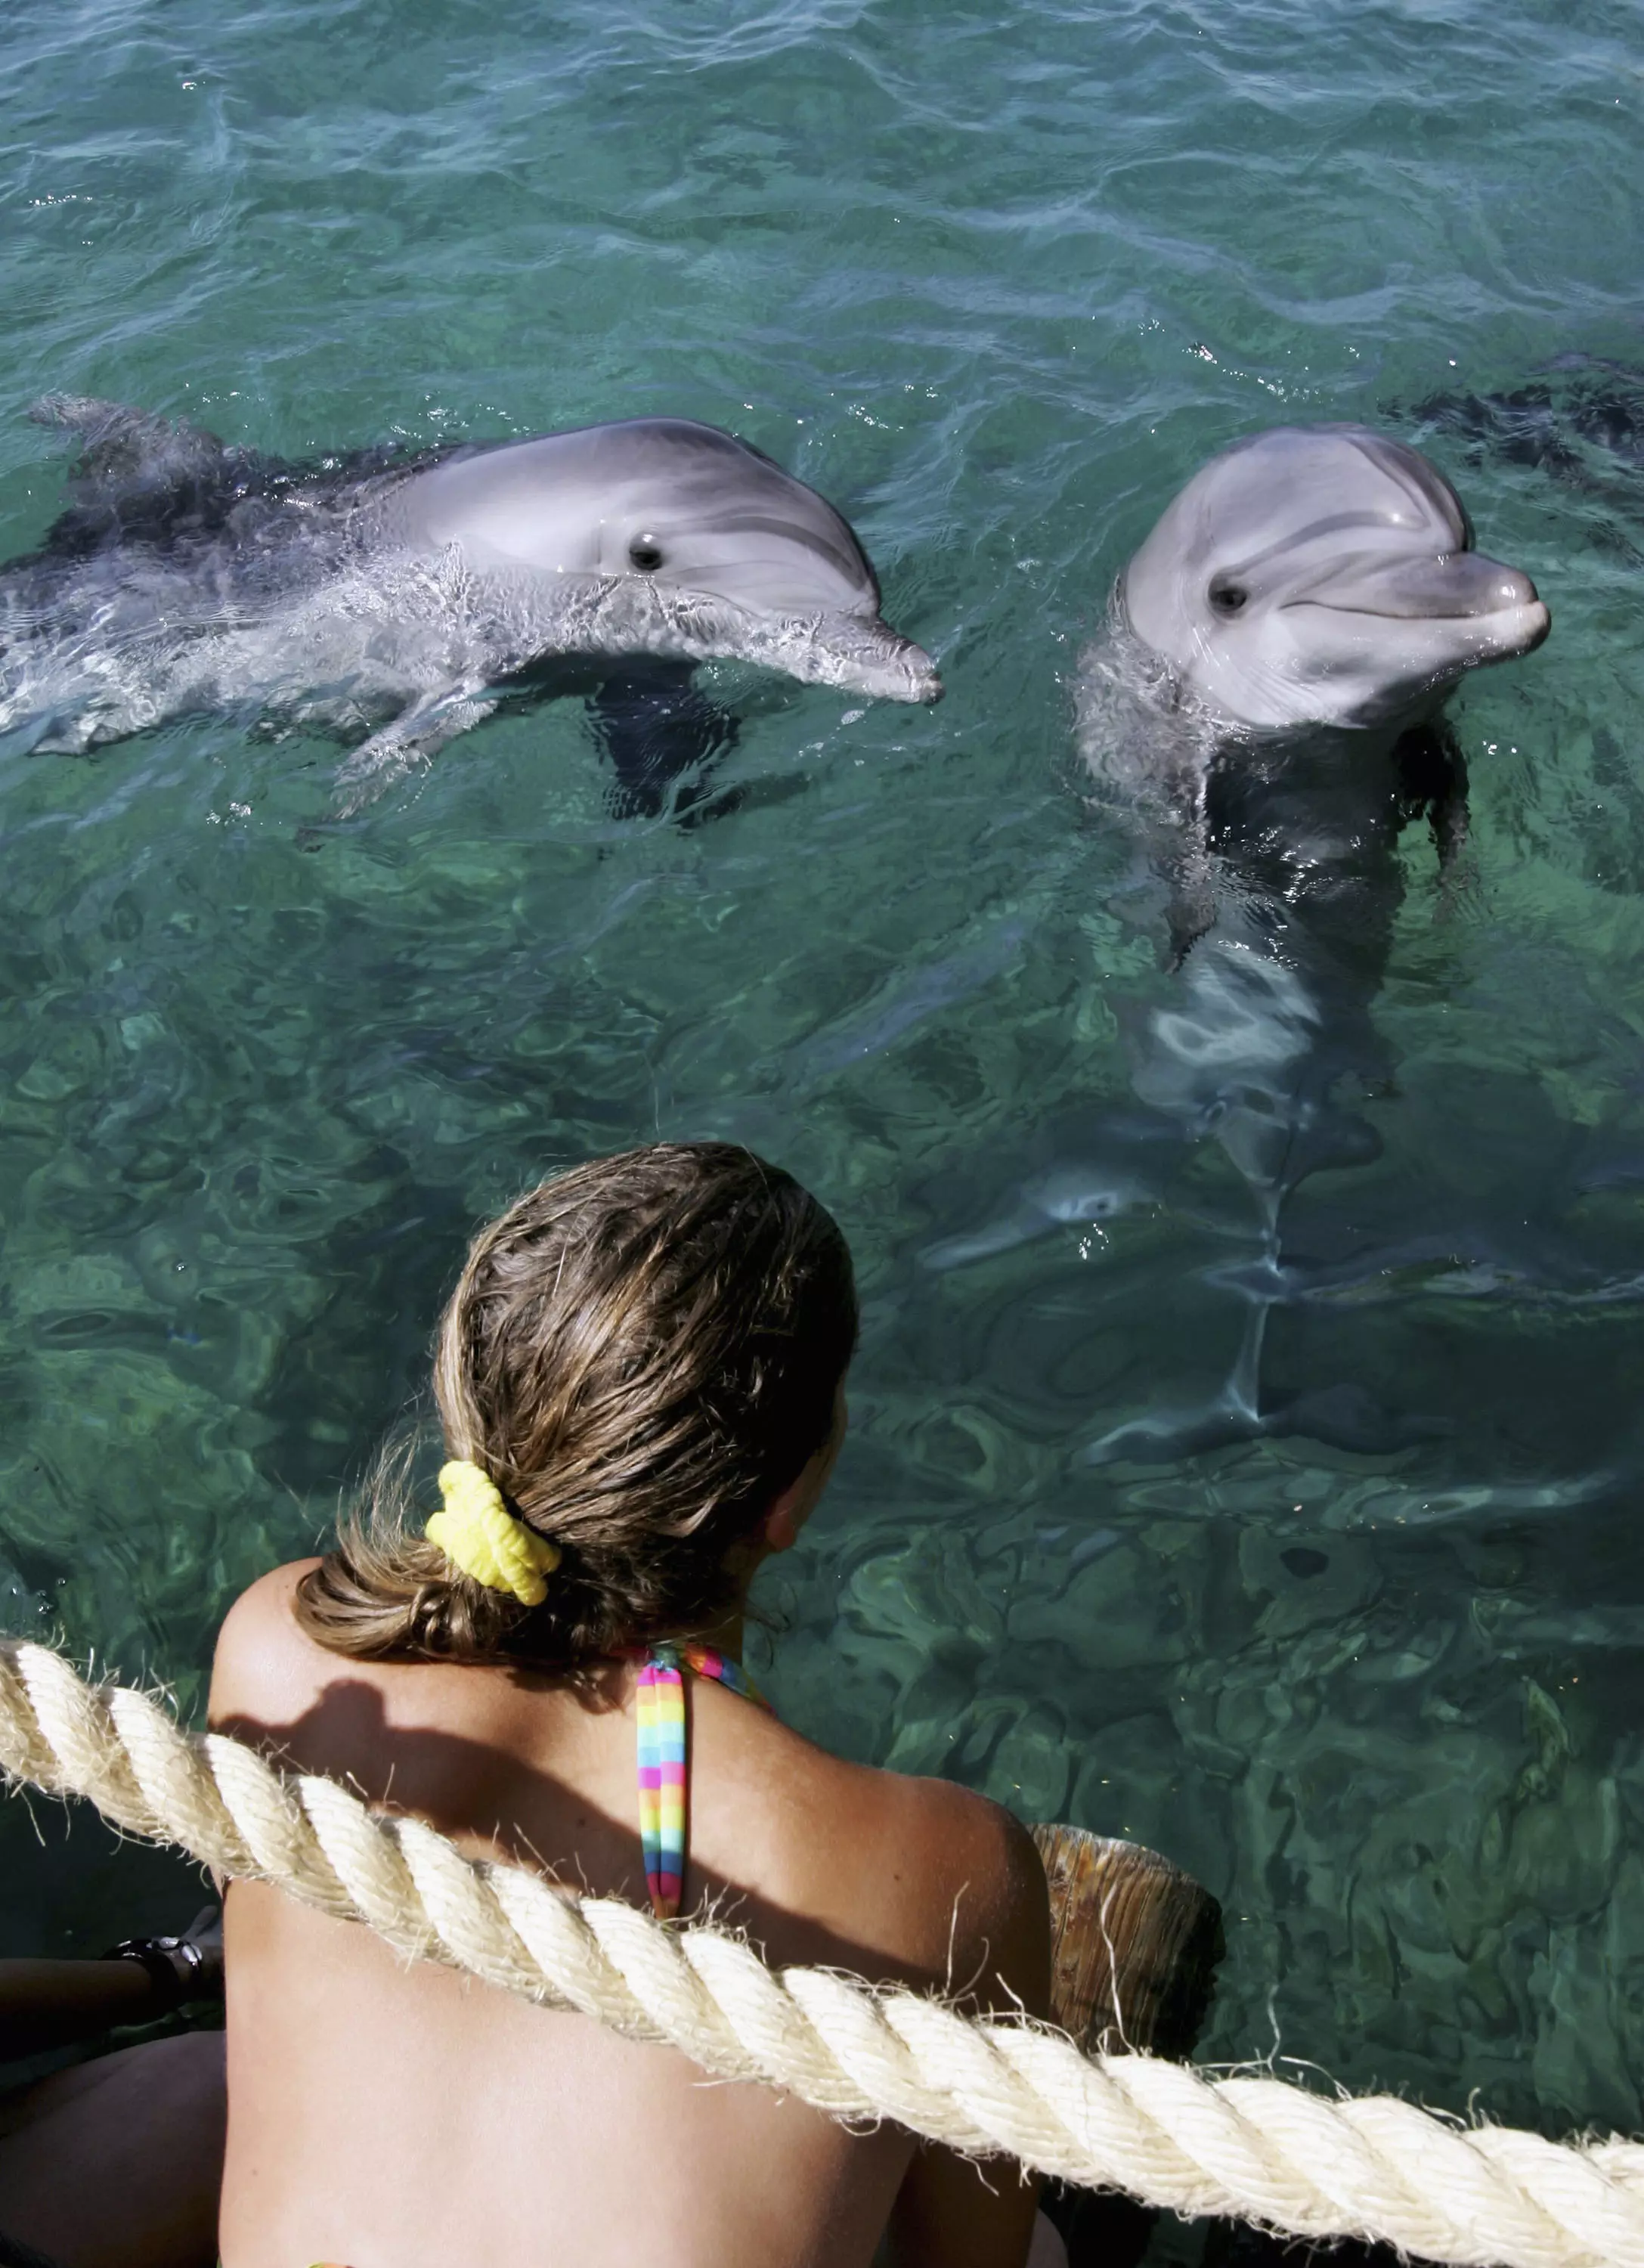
x=141, y=477
x=123, y=449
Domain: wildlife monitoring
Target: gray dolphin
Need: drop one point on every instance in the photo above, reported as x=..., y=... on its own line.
x=1322, y=575
x=1265, y=711
x=404, y=598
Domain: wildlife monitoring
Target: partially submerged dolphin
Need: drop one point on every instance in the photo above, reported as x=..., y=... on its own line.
x=1265, y=709
x=403, y=599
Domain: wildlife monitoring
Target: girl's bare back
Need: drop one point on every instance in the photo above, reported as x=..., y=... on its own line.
x=411, y=2118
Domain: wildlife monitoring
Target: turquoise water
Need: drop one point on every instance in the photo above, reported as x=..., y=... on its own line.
x=995, y=282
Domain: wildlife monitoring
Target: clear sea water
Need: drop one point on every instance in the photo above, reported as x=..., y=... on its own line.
x=996, y=280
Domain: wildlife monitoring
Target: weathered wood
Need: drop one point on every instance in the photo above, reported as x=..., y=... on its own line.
x=1135, y=1943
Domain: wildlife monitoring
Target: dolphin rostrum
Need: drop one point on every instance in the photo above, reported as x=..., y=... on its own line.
x=403, y=599
x=1265, y=709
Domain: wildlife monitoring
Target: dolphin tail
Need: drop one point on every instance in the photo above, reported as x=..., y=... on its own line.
x=1342, y=1418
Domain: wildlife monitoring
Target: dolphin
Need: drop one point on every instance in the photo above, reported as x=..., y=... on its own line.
x=402, y=599
x=1265, y=711
x=1322, y=575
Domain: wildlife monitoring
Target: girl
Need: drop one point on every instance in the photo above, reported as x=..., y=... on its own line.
x=640, y=1381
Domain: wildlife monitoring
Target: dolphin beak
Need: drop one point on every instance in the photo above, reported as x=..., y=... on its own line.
x=862, y=653
x=1501, y=604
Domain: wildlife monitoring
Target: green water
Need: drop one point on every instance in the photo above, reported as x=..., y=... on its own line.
x=996, y=282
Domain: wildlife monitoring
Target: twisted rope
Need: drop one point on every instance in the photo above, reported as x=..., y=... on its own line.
x=1255, y=2149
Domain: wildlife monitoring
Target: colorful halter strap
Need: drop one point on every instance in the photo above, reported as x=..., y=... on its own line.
x=663, y=1770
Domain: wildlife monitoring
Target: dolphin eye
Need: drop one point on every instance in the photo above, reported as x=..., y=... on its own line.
x=1227, y=597
x=645, y=553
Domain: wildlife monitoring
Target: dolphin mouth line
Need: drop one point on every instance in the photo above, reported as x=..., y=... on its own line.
x=1533, y=610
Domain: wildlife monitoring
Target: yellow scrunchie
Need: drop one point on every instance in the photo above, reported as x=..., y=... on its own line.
x=477, y=1532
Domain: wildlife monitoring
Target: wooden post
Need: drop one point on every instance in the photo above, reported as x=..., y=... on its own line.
x=1134, y=1945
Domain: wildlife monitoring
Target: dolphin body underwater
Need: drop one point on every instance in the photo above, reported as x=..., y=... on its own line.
x=1580, y=419
x=1263, y=711
x=404, y=598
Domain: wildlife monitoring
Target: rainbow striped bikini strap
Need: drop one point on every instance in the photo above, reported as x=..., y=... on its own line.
x=663, y=1767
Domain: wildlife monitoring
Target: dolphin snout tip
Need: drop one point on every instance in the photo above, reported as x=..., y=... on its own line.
x=1510, y=586
x=1513, y=597
x=1506, y=598
x=908, y=670
x=1501, y=602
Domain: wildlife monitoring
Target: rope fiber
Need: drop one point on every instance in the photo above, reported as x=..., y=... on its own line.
x=1255, y=2149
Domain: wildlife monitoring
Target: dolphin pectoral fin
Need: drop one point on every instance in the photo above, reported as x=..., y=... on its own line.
x=1432, y=774
x=1184, y=862
x=22, y=740
x=414, y=738
x=1448, y=811
x=655, y=727
x=1190, y=915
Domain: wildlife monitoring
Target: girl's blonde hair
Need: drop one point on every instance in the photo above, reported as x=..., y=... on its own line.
x=642, y=1354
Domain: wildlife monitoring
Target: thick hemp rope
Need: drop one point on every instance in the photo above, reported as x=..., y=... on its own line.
x=1257, y=2149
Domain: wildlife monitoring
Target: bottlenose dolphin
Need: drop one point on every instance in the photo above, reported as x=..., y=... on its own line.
x=1265, y=711
x=404, y=598
x=1321, y=575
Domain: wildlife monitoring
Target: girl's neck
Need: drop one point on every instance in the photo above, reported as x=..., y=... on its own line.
x=727, y=1636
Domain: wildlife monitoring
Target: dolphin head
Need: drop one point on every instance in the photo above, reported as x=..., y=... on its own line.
x=1324, y=575
x=700, y=545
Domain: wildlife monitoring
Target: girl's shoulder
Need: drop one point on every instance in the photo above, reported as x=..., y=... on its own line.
x=263, y=1662
x=969, y=1885
x=944, y=1886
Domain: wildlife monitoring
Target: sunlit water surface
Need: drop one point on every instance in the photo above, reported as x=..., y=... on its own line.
x=996, y=280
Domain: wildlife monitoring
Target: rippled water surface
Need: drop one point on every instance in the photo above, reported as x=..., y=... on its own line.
x=996, y=281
